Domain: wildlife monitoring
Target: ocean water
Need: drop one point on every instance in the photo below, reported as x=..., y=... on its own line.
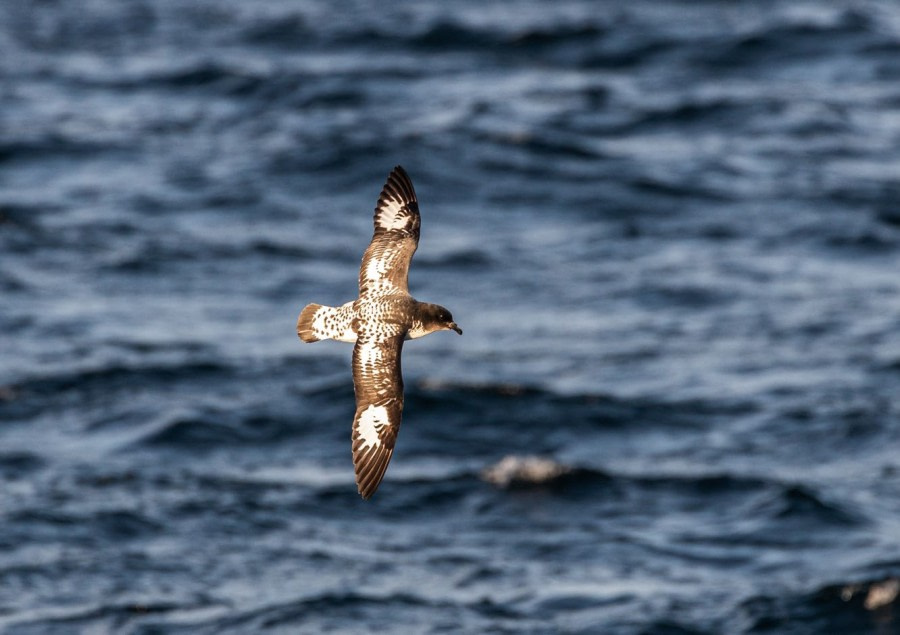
x=670, y=232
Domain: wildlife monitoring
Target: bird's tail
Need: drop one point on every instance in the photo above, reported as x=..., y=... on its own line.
x=305, y=322
x=317, y=322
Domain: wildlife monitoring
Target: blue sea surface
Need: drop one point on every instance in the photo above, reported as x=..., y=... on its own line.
x=670, y=231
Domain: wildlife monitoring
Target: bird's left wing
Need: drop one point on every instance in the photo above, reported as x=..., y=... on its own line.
x=378, y=383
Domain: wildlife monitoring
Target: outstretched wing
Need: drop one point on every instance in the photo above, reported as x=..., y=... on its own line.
x=379, y=403
x=385, y=265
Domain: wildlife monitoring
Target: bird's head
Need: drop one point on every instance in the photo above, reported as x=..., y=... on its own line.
x=439, y=319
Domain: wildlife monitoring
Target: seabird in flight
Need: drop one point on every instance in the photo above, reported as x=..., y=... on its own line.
x=377, y=322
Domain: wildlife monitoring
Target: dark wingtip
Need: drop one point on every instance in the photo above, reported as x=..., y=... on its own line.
x=402, y=184
x=367, y=488
x=369, y=469
x=398, y=187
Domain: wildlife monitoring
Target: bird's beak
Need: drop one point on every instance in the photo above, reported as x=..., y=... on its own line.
x=453, y=327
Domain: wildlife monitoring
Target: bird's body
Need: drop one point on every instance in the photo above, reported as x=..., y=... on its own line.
x=378, y=322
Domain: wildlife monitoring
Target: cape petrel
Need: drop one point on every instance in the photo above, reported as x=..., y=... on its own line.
x=377, y=322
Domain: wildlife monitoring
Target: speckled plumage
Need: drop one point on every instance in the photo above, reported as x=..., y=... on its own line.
x=378, y=322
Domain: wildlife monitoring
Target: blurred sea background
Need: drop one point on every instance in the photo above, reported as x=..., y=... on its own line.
x=670, y=231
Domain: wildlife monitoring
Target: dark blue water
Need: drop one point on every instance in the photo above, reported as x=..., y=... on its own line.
x=670, y=231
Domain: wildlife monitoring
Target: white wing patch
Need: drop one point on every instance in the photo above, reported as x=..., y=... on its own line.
x=371, y=421
x=375, y=270
x=370, y=355
x=389, y=214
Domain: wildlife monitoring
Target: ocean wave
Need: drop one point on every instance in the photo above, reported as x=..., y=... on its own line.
x=799, y=503
x=517, y=404
x=55, y=146
x=868, y=606
x=586, y=44
x=875, y=594
x=281, y=30
x=782, y=37
x=137, y=611
x=196, y=432
x=461, y=259
x=319, y=611
x=152, y=257
x=119, y=375
x=84, y=527
x=18, y=464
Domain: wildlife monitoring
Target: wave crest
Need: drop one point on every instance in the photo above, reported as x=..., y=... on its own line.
x=523, y=470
